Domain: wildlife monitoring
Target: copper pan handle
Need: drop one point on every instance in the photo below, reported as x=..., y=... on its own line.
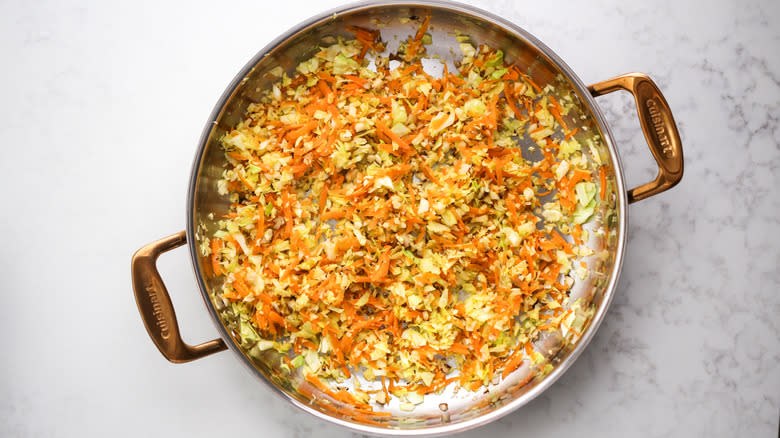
x=156, y=308
x=659, y=128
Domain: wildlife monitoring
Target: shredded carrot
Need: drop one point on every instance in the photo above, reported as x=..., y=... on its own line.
x=237, y=155
x=303, y=130
x=576, y=233
x=532, y=83
x=512, y=363
x=366, y=36
x=325, y=90
x=429, y=173
x=216, y=246
x=381, y=270
x=396, y=221
x=510, y=98
x=393, y=137
x=246, y=182
x=323, y=198
x=423, y=28
x=557, y=111
x=460, y=348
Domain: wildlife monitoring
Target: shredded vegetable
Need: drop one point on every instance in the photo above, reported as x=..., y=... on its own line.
x=386, y=224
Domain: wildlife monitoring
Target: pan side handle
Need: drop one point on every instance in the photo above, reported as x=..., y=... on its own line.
x=156, y=308
x=659, y=128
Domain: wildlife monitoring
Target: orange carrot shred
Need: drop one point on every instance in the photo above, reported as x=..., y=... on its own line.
x=399, y=200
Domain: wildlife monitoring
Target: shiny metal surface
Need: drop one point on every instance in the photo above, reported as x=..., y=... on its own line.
x=465, y=410
x=659, y=128
x=156, y=309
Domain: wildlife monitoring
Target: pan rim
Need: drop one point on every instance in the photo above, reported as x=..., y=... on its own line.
x=584, y=94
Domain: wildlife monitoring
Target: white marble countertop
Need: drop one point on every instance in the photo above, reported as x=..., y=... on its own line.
x=101, y=110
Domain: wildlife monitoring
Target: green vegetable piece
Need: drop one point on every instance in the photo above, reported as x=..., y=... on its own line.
x=474, y=108
x=585, y=192
x=248, y=334
x=461, y=38
x=582, y=214
x=297, y=362
x=308, y=66
x=498, y=74
x=496, y=60
x=398, y=112
x=343, y=65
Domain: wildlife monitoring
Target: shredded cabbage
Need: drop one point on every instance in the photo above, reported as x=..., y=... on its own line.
x=385, y=223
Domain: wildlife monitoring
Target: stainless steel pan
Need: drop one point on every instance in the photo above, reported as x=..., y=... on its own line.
x=398, y=18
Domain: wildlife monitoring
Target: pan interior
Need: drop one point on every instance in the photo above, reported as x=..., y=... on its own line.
x=396, y=22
